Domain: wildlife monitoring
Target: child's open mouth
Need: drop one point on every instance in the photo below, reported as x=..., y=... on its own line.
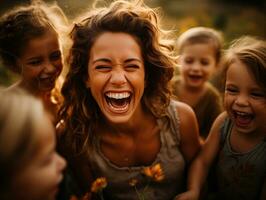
x=118, y=102
x=48, y=82
x=242, y=118
x=195, y=77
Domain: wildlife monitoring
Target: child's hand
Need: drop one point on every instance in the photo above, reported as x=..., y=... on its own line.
x=188, y=195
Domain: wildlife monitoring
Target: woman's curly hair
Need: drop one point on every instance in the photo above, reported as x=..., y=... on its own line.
x=80, y=112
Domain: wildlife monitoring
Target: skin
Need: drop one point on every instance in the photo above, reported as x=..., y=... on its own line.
x=116, y=66
x=116, y=72
x=40, y=64
x=39, y=180
x=197, y=63
x=242, y=94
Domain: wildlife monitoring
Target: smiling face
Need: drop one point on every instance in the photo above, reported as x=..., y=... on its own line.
x=245, y=100
x=197, y=63
x=116, y=76
x=41, y=62
x=40, y=178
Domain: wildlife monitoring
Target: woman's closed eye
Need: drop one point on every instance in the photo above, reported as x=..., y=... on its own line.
x=103, y=67
x=132, y=67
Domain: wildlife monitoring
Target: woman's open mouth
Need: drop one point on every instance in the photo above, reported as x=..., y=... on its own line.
x=118, y=102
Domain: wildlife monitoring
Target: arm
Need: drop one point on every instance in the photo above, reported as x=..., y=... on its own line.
x=189, y=132
x=200, y=166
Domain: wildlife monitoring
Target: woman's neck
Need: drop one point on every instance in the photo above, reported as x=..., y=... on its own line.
x=136, y=125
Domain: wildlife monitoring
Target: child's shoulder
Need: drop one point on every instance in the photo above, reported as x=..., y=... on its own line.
x=222, y=117
x=220, y=121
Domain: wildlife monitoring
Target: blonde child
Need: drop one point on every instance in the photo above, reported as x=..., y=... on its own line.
x=30, y=46
x=238, y=136
x=200, y=52
x=29, y=166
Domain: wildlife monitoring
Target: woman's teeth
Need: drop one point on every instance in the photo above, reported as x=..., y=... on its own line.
x=120, y=95
x=118, y=101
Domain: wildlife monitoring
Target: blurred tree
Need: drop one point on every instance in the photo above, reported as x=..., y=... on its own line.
x=260, y=4
x=233, y=17
x=220, y=21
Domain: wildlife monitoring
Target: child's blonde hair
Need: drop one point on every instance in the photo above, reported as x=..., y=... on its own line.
x=201, y=35
x=20, y=115
x=252, y=52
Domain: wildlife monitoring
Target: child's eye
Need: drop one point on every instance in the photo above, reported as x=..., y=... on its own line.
x=48, y=159
x=55, y=56
x=231, y=90
x=189, y=60
x=35, y=62
x=258, y=94
x=204, y=62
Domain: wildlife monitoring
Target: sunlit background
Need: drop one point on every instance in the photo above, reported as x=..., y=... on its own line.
x=233, y=17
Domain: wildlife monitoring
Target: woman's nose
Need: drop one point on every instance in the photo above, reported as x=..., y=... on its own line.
x=118, y=77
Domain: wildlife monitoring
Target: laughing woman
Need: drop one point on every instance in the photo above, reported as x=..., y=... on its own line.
x=119, y=124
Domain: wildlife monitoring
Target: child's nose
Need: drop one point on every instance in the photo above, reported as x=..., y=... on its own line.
x=61, y=162
x=195, y=66
x=50, y=67
x=242, y=100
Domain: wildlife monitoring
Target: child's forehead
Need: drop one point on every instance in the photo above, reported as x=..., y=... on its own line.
x=48, y=36
x=207, y=43
x=46, y=31
x=192, y=48
x=253, y=70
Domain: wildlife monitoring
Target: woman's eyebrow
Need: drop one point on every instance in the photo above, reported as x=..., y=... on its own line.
x=133, y=59
x=101, y=60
